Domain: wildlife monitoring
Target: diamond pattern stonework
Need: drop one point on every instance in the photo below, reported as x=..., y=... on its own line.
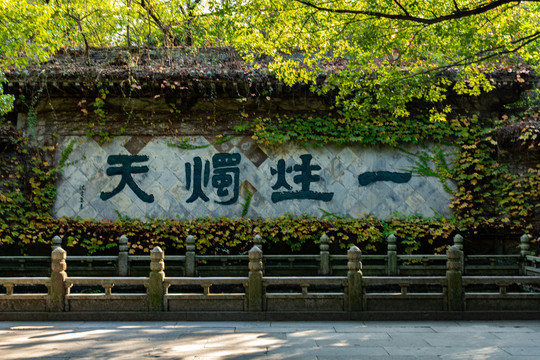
x=333, y=174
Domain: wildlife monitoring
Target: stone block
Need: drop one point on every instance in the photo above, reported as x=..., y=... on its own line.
x=304, y=303
x=18, y=303
x=88, y=302
x=205, y=303
x=399, y=302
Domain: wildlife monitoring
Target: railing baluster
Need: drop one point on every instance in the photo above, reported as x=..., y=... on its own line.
x=206, y=288
x=57, y=290
x=190, y=269
x=123, y=268
x=525, y=250
x=458, y=242
x=354, y=276
x=255, y=279
x=324, y=262
x=392, y=268
x=9, y=288
x=157, y=276
x=454, y=279
x=56, y=242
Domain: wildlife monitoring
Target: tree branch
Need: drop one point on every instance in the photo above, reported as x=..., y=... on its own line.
x=485, y=7
x=456, y=6
x=157, y=21
x=402, y=8
x=189, y=20
x=78, y=20
x=521, y=42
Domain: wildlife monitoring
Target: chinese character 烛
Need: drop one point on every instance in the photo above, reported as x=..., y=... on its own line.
x=225, y=178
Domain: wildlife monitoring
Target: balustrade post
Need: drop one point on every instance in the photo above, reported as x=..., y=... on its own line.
x=190, y=269
x=391, y=265
x=123, y=260
x=57, y=287
x=157, y=276
x=324, y=262
x=255, y=282
x=257, y=241
x=458, y=242
x=454, y=279
x=56, y=242
x=354, y=276
x=525, y=251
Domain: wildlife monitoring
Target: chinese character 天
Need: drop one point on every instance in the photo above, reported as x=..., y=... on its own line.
x=125, y=170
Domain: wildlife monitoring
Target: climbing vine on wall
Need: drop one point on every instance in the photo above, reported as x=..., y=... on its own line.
x=318, y=131
x=27, y=187
x=489, y=193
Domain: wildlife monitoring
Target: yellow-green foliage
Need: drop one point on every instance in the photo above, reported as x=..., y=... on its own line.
x=285, y=234
x=489, y=198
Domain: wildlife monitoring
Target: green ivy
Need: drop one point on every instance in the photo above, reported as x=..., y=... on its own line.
x=284, y=234
x=488, y=196
x=318, y=131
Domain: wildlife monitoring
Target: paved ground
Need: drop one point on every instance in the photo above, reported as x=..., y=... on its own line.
x=271, y=340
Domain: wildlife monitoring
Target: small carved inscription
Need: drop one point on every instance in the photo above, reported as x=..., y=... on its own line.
x=82, y=189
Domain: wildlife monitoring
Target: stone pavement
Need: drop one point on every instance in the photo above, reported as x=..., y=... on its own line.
x=271, y=340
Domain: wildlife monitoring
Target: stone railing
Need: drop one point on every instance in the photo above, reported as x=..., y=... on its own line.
x=531, y=265
x=337, y=297
x=324, y=263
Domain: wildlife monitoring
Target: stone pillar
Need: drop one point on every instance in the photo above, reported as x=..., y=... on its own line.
x=458, y=242
x=324, y=263
x=155, y=283
x=525, y=250
x=56, y=242
x=255, y=284
x=257, y=241
x=391, y=265
x=454, y=280
x=354, y=276
x=57, y=288
x=189, y=265
x=123, y=260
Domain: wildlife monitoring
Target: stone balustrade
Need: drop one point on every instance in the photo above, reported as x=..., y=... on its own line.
x=255, y=294
x=324, y=263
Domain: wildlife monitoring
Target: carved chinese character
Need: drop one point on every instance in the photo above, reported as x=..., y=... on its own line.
x=370, y=177
x=126, y=170
x=281, y=178
x=305, y=178
x=225, y=178
x=198, y=179
x=226, y=175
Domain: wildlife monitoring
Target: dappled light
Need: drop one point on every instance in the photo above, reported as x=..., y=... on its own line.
x=270, y=340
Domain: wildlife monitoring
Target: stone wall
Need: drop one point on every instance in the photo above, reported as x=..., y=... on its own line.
x=165, y=97
x=142, y=176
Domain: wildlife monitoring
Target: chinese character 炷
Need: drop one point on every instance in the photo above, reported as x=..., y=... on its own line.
x=304, y=178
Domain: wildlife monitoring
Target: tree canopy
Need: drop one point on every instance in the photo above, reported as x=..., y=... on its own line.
x=385, y=53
